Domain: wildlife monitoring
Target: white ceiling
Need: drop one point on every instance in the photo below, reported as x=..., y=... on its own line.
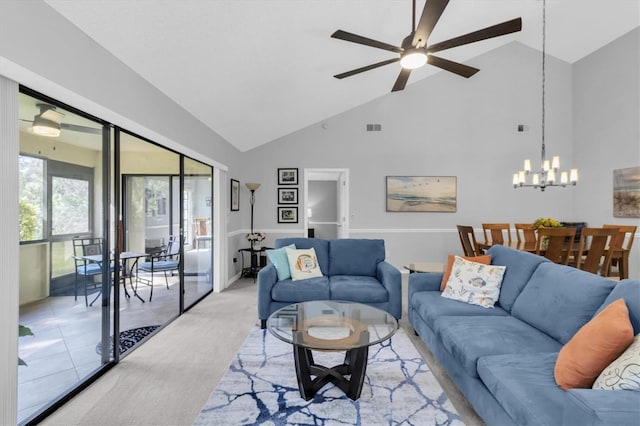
x=254, y=71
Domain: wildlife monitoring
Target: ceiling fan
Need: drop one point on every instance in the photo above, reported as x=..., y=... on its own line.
x=415, y=52
x=49, y=123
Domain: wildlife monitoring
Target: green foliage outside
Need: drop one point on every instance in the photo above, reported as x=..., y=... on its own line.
x=27, y=221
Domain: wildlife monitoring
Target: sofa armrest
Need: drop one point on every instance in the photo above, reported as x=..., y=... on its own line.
x=267, y=277
x=424, y=281
x=601, y=407
x=390, y=278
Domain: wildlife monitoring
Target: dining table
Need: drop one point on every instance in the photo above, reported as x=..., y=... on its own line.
x=127, y=268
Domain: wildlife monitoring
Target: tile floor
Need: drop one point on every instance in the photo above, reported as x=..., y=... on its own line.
x=62, y=350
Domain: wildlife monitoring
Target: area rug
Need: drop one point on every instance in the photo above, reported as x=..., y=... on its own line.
x=129, y=338
x=260, y=388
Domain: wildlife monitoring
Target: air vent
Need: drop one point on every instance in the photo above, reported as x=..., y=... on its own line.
x=374, y=127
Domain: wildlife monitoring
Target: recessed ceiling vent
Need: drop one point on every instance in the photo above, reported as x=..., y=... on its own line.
x=374, y=127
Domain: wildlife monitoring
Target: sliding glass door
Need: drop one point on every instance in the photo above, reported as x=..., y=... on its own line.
x=61, y=171
x=197, y=209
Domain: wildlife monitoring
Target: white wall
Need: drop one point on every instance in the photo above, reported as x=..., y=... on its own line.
x=606, y=117
x=443, y=125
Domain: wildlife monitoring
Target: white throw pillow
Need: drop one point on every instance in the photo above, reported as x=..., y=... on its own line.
x=624, y=372
x=474, y=283
x=303, y=264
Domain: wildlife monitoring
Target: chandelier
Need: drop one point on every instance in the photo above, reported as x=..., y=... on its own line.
x=549, y=173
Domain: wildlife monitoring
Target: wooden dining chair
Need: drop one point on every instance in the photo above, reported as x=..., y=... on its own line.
x=594, y=251
x=556, y=244
x=621, y=246
x=468, y=240
x=494, y=233
x=525, y=234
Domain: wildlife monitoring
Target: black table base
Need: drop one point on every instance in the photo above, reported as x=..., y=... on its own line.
x=354, y=365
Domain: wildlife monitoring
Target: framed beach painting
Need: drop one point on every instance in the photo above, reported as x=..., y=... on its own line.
x=421, y=194
x=626, y=192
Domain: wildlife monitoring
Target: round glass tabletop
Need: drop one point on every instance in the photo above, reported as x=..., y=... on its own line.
x=331, y=325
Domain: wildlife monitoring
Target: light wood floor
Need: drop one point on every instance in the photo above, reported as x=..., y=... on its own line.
x=169, y=378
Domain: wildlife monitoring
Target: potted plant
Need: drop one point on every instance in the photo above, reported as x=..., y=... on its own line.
x=23, y=331
x=545, y=222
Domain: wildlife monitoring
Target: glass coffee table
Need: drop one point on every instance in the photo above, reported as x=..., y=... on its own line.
x=327, y=325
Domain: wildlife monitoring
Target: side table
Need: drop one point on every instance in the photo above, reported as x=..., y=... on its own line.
x=258, y=260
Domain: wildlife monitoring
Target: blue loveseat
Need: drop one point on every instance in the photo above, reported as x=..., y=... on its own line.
x=503, y=358
x=352, y=269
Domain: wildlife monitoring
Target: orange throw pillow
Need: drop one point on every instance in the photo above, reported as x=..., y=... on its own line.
x=485, y=260
x=596, y=345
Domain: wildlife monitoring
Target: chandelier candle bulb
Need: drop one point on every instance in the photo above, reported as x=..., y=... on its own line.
x=551, y=176
x=527, y=166
x=564, y=178
x=515, y=179
x=573, y=176
x=545, y=165
x=521, y=177
x=555, y=162
x=536, y=179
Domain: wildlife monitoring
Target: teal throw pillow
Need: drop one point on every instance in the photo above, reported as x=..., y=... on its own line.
x=279, y=259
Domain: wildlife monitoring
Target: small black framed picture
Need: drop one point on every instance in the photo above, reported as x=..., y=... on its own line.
x=287, y=195
x=235, y=195
x=288, y=176
x=287, y=215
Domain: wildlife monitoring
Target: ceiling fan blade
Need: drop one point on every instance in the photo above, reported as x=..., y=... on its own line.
x=354, y=38
x=454, y=67
x=83, y=129
x=497, y=30
x=430, y=15
x=401, y=81
x=367, y=68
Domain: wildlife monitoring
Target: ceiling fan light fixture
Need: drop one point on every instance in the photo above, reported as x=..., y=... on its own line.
x=413, y=58
x=44, y=127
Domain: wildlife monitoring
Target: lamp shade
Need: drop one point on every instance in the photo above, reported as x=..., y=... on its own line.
x=252, y=186
x=413, y=58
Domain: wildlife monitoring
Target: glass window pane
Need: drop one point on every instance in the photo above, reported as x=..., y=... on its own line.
x=69, y=206
x=32, y=198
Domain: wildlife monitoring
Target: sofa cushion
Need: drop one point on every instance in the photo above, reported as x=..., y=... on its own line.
x=350, y=256
x=303, y=263
x=525, y=387
x=430, y=305
x=321, y=247
x=469, y=338
x=357, y=289
x=279, y=259
x=558, y=299
x=597, y=344
x=486, y=259
x=474, y=283
x=301, y=291
x=624, y=372
x=629, y=290
x=520, y=266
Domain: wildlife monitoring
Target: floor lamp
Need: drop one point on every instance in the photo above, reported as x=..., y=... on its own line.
x=252, y=199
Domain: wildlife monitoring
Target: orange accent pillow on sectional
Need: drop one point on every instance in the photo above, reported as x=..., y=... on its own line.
x=596, y=345
x=485, y=260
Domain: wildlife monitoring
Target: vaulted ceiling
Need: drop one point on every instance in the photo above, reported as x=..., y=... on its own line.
x=254, y=71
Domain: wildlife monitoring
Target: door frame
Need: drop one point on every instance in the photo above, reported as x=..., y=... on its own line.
x=341, y=177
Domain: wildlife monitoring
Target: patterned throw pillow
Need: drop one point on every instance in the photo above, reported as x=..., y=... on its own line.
x=474, y=283
x=303, y=264
x=279, y=259
x=624, y=372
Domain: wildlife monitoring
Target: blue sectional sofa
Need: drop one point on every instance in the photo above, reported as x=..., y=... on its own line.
x=352, y=269
x=503, y=358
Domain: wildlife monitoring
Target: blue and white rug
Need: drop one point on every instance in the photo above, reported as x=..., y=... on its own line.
x=260, y=388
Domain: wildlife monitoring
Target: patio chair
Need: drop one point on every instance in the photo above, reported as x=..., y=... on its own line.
x=87, y=254
x=166, y=261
